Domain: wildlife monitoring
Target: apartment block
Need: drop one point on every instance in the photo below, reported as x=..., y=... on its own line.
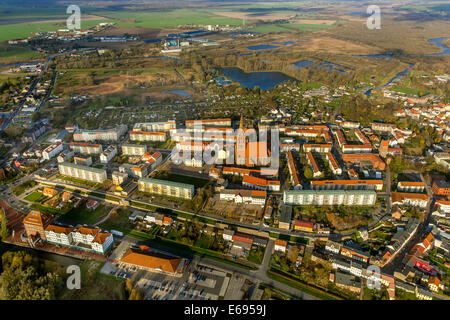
x=330, y=197
x=82, y=172
x=166, y=188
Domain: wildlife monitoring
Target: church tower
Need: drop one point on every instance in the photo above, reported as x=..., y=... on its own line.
x=240, y=144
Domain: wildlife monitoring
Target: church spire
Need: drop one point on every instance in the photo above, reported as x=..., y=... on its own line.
x=241, y=123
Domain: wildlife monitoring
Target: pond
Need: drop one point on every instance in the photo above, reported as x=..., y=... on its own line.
x=264, y=80
x=262, y=47
x=303, y=63
x=438, y=42
x=179, y=92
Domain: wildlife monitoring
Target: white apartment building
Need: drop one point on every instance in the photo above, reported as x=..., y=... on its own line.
x=82, y=172
x=119, y=177
x=102, y=242
x=52, y=150
x=86, y=148
x=100, y=135
x=134, y=149
x=166, y=188
x=66, y=155
x=411, y=186
x=59, y=234
x=244, y=196
x=135, y=171
x=335, y=168
x=109, y=154
x=330, y=197
x=138, y=135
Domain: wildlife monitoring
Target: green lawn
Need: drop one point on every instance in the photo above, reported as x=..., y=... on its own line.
x=23, y=30
x=34, y=197
x=86, y=216
x=95, y=285
x=20, y=189
x=302, y=287
x=12, y=54
x=172, y=18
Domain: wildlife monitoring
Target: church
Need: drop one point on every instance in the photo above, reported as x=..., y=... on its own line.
x=250, y=153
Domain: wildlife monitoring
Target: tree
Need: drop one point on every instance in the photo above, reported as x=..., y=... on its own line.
x=308, y=173
x=4, y=232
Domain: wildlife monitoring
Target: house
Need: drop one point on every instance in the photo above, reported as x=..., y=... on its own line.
x=333, y=247
x=92, y=204
x=434, y=283
x=102, y=242
x=355, y=254
x=242, y=241
x=228, y=235
x=66, y=196
x=303, y=226
x=58, y=234
x=347, y=281
x=280, y=245
x=285, y=217
x=441, y=188
x=49, y=192
x=423, y=294
x=167, y=221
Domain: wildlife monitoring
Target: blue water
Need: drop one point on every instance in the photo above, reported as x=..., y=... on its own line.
x=397, y=76
x=262, y=47
x=438, y=42
x=264, y=80
x=386, y=56
x=246, y=54
x=303, y=63
x=179, y=92
x=332, y=66
x=285, y=43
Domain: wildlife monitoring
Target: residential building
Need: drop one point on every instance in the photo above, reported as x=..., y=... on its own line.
x=280, y=245
x=82, y=172
x=303, y=226
x=293, y=170
x=108, y=154
x=113, y=134
x=441, y=188
x=84, y=161
x=409, y=199
x=52, y=150
x=330, y=197
x=335, y=168
x=285, y=217
x=347, y=185
x=166, y=188
x=411, y=186
x=244, y=196
x=135, y=171
x=355, y=254
x=139, y=135
x=60, y=235
x=86, y=148
x=260, y=183
x=134, y=149
x=35, y=223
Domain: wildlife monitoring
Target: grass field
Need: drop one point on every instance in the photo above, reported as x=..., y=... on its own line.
x=34, y=197
x=172, y=18
x=94, y=285
x=86, y=216
x=11, y=54
x=24, y=30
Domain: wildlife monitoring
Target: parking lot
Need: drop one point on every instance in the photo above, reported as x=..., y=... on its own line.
x=198, y=282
